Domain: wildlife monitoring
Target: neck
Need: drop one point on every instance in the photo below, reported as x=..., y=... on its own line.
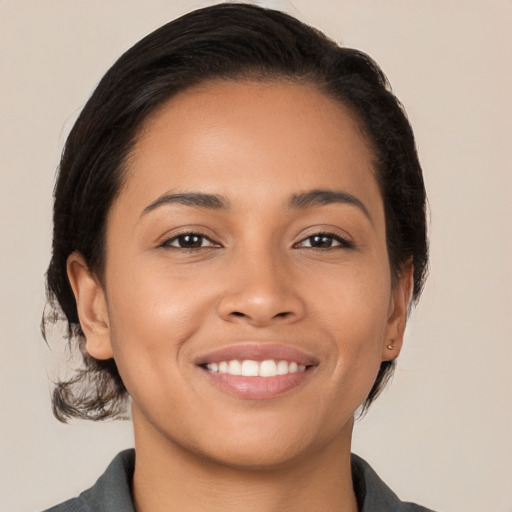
x=169, y=477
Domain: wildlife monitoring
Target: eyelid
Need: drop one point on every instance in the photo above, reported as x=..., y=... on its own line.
x=168, y=239
x=343, y=242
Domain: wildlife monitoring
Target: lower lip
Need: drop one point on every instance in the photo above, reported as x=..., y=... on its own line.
x=257, y=388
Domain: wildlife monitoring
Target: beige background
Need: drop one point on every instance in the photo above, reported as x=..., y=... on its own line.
x=442, y=433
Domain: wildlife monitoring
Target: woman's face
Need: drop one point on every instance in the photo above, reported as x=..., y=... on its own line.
x=250, y=228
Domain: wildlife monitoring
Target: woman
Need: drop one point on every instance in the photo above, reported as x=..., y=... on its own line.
x=239, y=230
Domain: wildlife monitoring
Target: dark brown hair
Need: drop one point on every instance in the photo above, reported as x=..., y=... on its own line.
x=226, y=42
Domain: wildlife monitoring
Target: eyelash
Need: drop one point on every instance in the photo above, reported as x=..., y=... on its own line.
x=343, y=243
x=168, y=243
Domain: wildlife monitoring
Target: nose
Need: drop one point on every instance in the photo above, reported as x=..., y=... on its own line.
x=260, y=292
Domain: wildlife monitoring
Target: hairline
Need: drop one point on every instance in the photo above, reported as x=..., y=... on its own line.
x=243, y=77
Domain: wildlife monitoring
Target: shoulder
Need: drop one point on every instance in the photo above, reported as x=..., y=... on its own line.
x=112, y=491
x=373, y=495
x=72, y=505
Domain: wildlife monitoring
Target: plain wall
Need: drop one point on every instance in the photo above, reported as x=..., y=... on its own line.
x=441, y=434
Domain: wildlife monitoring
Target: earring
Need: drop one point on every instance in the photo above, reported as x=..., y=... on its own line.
x=390, y=346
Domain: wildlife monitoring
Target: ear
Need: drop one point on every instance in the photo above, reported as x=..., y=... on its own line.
x=91, y=306
x=397, y=313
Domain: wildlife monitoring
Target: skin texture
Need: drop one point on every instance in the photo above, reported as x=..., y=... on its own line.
x=254, y=279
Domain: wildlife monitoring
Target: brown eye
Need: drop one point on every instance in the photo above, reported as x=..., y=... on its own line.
x=321, y=241
x=188, y=241
x=325, y=241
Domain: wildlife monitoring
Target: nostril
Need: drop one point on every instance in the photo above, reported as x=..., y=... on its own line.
x=237, y=313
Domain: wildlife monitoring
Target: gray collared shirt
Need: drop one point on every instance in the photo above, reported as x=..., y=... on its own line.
x=112, y=491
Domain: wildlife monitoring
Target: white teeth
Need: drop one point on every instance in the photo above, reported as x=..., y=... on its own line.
x=268, y=368
x=282, y=368
x=234, y=367
x=250, y=368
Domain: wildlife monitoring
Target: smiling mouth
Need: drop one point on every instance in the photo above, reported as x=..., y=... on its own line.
x=249, y=368
x=257, y=371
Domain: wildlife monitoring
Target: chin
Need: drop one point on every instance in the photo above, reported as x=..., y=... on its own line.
x=268, y=446
x=256, y=456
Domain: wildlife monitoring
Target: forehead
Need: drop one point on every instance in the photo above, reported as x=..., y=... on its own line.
x=257, y=138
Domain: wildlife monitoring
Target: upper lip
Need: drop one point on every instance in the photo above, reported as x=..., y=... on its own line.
x=258, y=352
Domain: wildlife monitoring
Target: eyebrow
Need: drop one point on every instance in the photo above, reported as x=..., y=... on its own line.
x=319, y=197
x=301, y=201
x=209, y=201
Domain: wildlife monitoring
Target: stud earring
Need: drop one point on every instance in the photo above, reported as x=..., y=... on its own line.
x=390, y=346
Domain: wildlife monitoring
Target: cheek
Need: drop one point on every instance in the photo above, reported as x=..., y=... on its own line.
x=354, y=317
x=355, y=301
x=151, y=302
x=151, y=318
